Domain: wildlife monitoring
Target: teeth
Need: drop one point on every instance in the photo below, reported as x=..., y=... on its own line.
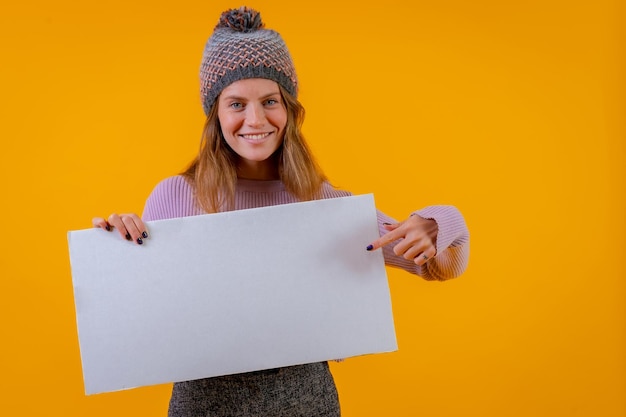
x=255, y=137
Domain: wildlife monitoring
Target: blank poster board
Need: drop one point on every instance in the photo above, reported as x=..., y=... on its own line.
x=232, y=292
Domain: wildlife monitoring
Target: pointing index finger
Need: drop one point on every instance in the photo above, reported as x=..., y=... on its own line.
x=384, y=240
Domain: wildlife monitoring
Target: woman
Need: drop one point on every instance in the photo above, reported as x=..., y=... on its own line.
x=253, y=154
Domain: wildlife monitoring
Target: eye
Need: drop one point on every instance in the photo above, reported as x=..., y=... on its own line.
x=271, y=102
x=236, y=105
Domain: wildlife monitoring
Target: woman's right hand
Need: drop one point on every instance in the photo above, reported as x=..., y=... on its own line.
x=129, y=226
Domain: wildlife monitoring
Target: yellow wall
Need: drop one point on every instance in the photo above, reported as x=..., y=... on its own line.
x=512, y=111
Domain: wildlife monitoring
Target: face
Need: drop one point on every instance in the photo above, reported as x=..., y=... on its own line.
x=253, y=118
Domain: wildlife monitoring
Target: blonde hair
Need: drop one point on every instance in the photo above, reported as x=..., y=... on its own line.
x=213, y=173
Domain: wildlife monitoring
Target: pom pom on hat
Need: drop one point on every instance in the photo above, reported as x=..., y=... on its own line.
x=239, y=48
x=241, y=20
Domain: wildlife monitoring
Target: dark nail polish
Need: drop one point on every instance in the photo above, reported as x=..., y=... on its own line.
x=139, y=241
x=386, y=224
x=108, y=228
x=144, y=235
x=127, y=236
x=369, y=247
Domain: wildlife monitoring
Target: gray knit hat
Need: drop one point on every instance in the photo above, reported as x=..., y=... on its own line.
x=239, y=48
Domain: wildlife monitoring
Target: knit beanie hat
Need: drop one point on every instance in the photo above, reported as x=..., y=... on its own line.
x=239, y=48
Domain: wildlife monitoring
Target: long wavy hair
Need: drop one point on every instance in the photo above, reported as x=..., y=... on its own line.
x=213, y=173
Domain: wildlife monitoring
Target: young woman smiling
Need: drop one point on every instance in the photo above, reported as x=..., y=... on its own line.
x=253, y=154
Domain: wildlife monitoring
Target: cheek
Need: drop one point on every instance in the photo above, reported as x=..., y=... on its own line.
x=228, y=124
x=280, y=121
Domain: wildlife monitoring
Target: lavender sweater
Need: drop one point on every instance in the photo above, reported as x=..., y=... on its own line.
x=174, y=197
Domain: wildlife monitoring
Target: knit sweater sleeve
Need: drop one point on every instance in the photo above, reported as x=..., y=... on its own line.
x=452, y=242
x=172, y=197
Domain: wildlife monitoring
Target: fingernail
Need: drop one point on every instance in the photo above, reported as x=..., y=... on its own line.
x=139, y=241
x=386, y=224
x=144, y=235
x=370, y=247
x=108, y=228
x=127, y=236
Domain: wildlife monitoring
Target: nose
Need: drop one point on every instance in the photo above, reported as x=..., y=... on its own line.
x=255, y=115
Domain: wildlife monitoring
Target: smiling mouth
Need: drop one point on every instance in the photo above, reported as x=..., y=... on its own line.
x=256, y=136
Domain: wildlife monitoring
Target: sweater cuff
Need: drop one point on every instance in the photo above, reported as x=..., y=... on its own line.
x=450, y=223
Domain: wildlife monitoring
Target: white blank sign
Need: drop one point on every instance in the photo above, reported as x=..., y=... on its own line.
x=230, y=292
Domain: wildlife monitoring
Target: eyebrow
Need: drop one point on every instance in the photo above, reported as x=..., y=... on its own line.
x=236, y=97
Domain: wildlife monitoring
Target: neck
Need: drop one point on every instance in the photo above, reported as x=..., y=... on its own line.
x=262, y=170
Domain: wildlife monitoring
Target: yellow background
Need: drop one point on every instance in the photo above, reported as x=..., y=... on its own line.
x=512, y=111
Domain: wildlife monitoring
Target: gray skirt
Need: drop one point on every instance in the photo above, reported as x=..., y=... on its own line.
x=302, y=390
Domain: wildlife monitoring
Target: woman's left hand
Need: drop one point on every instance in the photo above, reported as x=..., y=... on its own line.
x=418, y=239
